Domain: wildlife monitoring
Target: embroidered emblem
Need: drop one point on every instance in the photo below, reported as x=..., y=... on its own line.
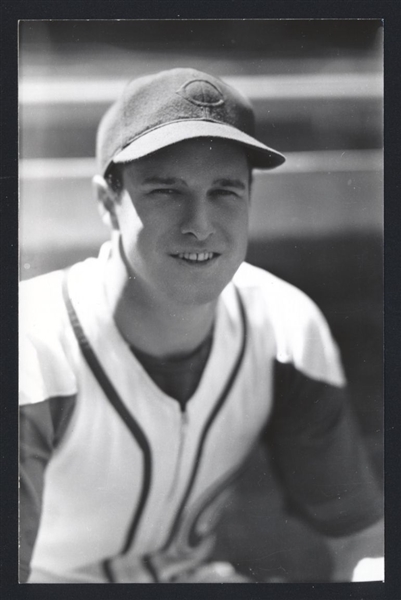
x=201, y=92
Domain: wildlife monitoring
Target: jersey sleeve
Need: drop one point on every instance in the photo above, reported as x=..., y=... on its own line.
x=47, y=392
x=41, y=429
x=314, y=442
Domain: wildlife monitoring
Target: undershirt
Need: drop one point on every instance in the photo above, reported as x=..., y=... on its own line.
x=177, y=376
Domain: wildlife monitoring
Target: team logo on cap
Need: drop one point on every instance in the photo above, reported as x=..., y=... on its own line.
x=201, y=92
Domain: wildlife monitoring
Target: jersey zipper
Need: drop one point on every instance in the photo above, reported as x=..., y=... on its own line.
x=182, y=435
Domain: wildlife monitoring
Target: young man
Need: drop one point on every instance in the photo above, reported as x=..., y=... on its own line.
x=149, y=374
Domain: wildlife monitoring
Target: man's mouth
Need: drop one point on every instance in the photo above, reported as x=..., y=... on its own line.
x=197, y=257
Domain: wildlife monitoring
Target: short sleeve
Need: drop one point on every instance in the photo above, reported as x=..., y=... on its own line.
x=47, y=396
x=45, y=370
x=319, y=456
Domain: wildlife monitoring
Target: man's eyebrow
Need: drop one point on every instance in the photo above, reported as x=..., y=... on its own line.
x=223, y=181
x=234, y=183
x=162, y=180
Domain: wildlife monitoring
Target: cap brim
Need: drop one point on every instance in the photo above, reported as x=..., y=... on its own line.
x=262, y=157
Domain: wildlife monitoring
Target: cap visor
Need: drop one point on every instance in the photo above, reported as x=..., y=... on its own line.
x=262, y=157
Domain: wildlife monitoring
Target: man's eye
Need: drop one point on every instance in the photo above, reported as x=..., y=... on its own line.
x=224, y=193
x=164, y=191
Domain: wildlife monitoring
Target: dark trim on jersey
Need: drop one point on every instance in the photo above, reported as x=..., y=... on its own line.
x=208, y=498
x=317, y=453
x=42, y=426
x=149, y=566
x=61, y=411
x=107, y=570
x=221, y=486
x=218, y=406
x=146, y=562
x=59, y=408
x=117, y=403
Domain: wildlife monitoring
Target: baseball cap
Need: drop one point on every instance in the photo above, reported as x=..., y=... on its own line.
x=156, y=111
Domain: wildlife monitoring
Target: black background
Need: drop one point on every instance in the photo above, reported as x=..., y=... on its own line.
x=14, y=10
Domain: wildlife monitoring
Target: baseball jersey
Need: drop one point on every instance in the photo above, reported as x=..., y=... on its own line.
x=119, y=483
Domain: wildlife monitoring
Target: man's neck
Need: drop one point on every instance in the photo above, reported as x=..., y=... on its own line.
x=153, y=324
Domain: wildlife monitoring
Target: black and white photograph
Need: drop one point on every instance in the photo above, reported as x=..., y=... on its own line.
x=201, y=301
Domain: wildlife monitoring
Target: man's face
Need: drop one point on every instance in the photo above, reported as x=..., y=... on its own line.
x=183, y=218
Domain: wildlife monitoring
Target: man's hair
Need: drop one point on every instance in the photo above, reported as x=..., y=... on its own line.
x=114, y=178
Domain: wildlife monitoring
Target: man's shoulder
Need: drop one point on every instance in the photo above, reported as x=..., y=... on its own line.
x=41, y=304
x=249, y=276
x=41, y=284
x=302, y=335
x=259, y=283
x=47, y=287
x=44, y=367
x=269, y=299
x=39, y=298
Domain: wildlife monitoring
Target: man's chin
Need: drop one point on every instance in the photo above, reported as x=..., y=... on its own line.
x=199, y=293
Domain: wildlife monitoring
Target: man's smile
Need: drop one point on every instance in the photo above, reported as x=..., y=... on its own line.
x=198, y=258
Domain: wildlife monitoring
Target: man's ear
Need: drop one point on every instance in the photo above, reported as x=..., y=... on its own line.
x=106, y=198
x=251, y=180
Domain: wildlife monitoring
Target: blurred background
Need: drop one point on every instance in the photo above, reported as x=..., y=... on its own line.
x=317, y=222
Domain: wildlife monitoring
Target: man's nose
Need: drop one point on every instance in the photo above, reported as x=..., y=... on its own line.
x=197, y=218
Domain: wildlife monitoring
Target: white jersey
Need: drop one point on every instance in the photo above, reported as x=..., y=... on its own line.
x=135, y=484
